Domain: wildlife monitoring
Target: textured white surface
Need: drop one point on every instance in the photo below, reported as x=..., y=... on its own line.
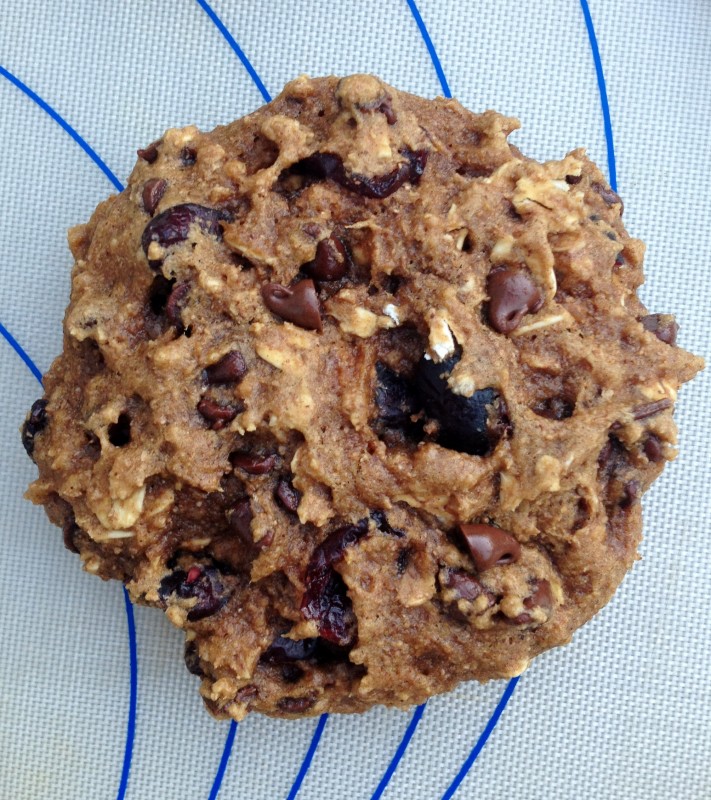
x=624, y=711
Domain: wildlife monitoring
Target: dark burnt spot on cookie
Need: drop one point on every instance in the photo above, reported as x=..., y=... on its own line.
x=326, y=599
x=199, y=583
x=231, y=368
x=153, y=191
x=472, y=425
x=489, y=546
x=35, y=423
x=70, y=533
x=287, y=496
x=297, y=304
x=119, y=432
x=172, y=226
x=331, y=262
x=512, y=294
x=663, y=326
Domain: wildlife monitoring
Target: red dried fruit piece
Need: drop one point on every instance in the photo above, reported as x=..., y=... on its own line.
x=253, y=463
x=513, y=293
x=229, y=369
x=175, y=303
x=287, y=495
x=653, y=448
x=331, y=262
x=556, y=408
x=153, y=191
x=326, y=599
x=215, y=413
x=298, y=304
x=200, y=583
x=490, y=546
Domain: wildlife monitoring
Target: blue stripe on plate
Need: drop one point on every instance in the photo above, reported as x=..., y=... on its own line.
x=316, y=738
x=400, y=752
x=430, y=48
x=226, y=753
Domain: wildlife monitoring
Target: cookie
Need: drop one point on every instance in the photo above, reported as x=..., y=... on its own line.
x=361, y=397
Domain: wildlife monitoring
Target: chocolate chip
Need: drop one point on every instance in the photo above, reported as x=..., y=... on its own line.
x=153, y=191
x=393, y=397
x=608, y=195
x=282, y=650
x=298, y=304
x=556, y=408
x=175, y=304
x=403, y=559
x=287, y=496
x=229, y=369
x=295, y=705
x=513, y=293
x=150, y=153
x=382, y=105
x=663, y=326
x=472, y=425
x=542, y=597
x=192, y=659
x=202, y=584
x=490, y=546
x=384, y=525
x=253, y=463
x=188, y=156
x=326, y=599
x=35, y=423
x=172, y=226
x=70, y=531
x=240, y=519
x=216, y=413
x=653, y=448
x=573, y=180
x=328, y=165
x=331, y=262
x=119, y=432
x=650, y=409
x=464, y=585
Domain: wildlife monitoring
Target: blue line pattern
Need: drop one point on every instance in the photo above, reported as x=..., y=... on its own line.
x=238, y=50
x=611, y=166
x=131, y=726
x=430, y=48
x=226, y=752
x=400, y=752
x=12, y=341
x=479, y=746
x=309, y=757
x=93, y=155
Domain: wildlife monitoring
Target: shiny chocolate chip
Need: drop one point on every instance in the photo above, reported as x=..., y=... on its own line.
x=217, y=414
x=239, y=518
x=176, y=303
x=663, y=326
x=229, y=369
x=326, y=599
x=150, y=153
x=542, y=597
x=513, y=294
x=331, y=262
x=298, y=304
x=472, y=425
x=287, y=496
x=253, y=463
x=489, y=546
x=35, y=423
x=172, y=226
x=153, y=191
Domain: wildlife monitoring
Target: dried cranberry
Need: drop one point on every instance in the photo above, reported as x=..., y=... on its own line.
x=153, y=191
x=287, y=495
x=202, y=584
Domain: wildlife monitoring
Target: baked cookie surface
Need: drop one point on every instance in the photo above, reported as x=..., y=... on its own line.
x=361, y=396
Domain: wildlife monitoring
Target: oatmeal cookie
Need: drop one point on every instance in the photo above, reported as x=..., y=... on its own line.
x=361, y=397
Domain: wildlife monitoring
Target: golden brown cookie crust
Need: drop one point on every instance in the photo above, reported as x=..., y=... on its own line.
x=358, y=394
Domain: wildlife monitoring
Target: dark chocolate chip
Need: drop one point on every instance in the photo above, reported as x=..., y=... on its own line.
x=192, y=659
x=188, y=156
x=282, y=650
x=382, y=105
x=240, y=519
x=650, y=409
x=153, y=191
x=200, y=583
x=229, y=369
x=287, y=496
x=70, y=531
x=119, y=432
x=472, y=425
x=464, y=584
x=175, y=303
x=608, y=194
x=513, y=293
x=331, y=262
x=150, y=153
x=253, y=463
x=542, y=597
x=295, y=705
x=35, y=422
x=393, y=397
x=298, y=304
x=172, y=226
x=490, y=546
x=403, y=559
x=573, y=180
x=653, y=448
x=326, y=599
x=384, y=525
x=663, y=326
x=159, y=292
x=217, y=414
x=556, y=408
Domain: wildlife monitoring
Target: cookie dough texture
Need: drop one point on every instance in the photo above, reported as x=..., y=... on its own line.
x=363, y=398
